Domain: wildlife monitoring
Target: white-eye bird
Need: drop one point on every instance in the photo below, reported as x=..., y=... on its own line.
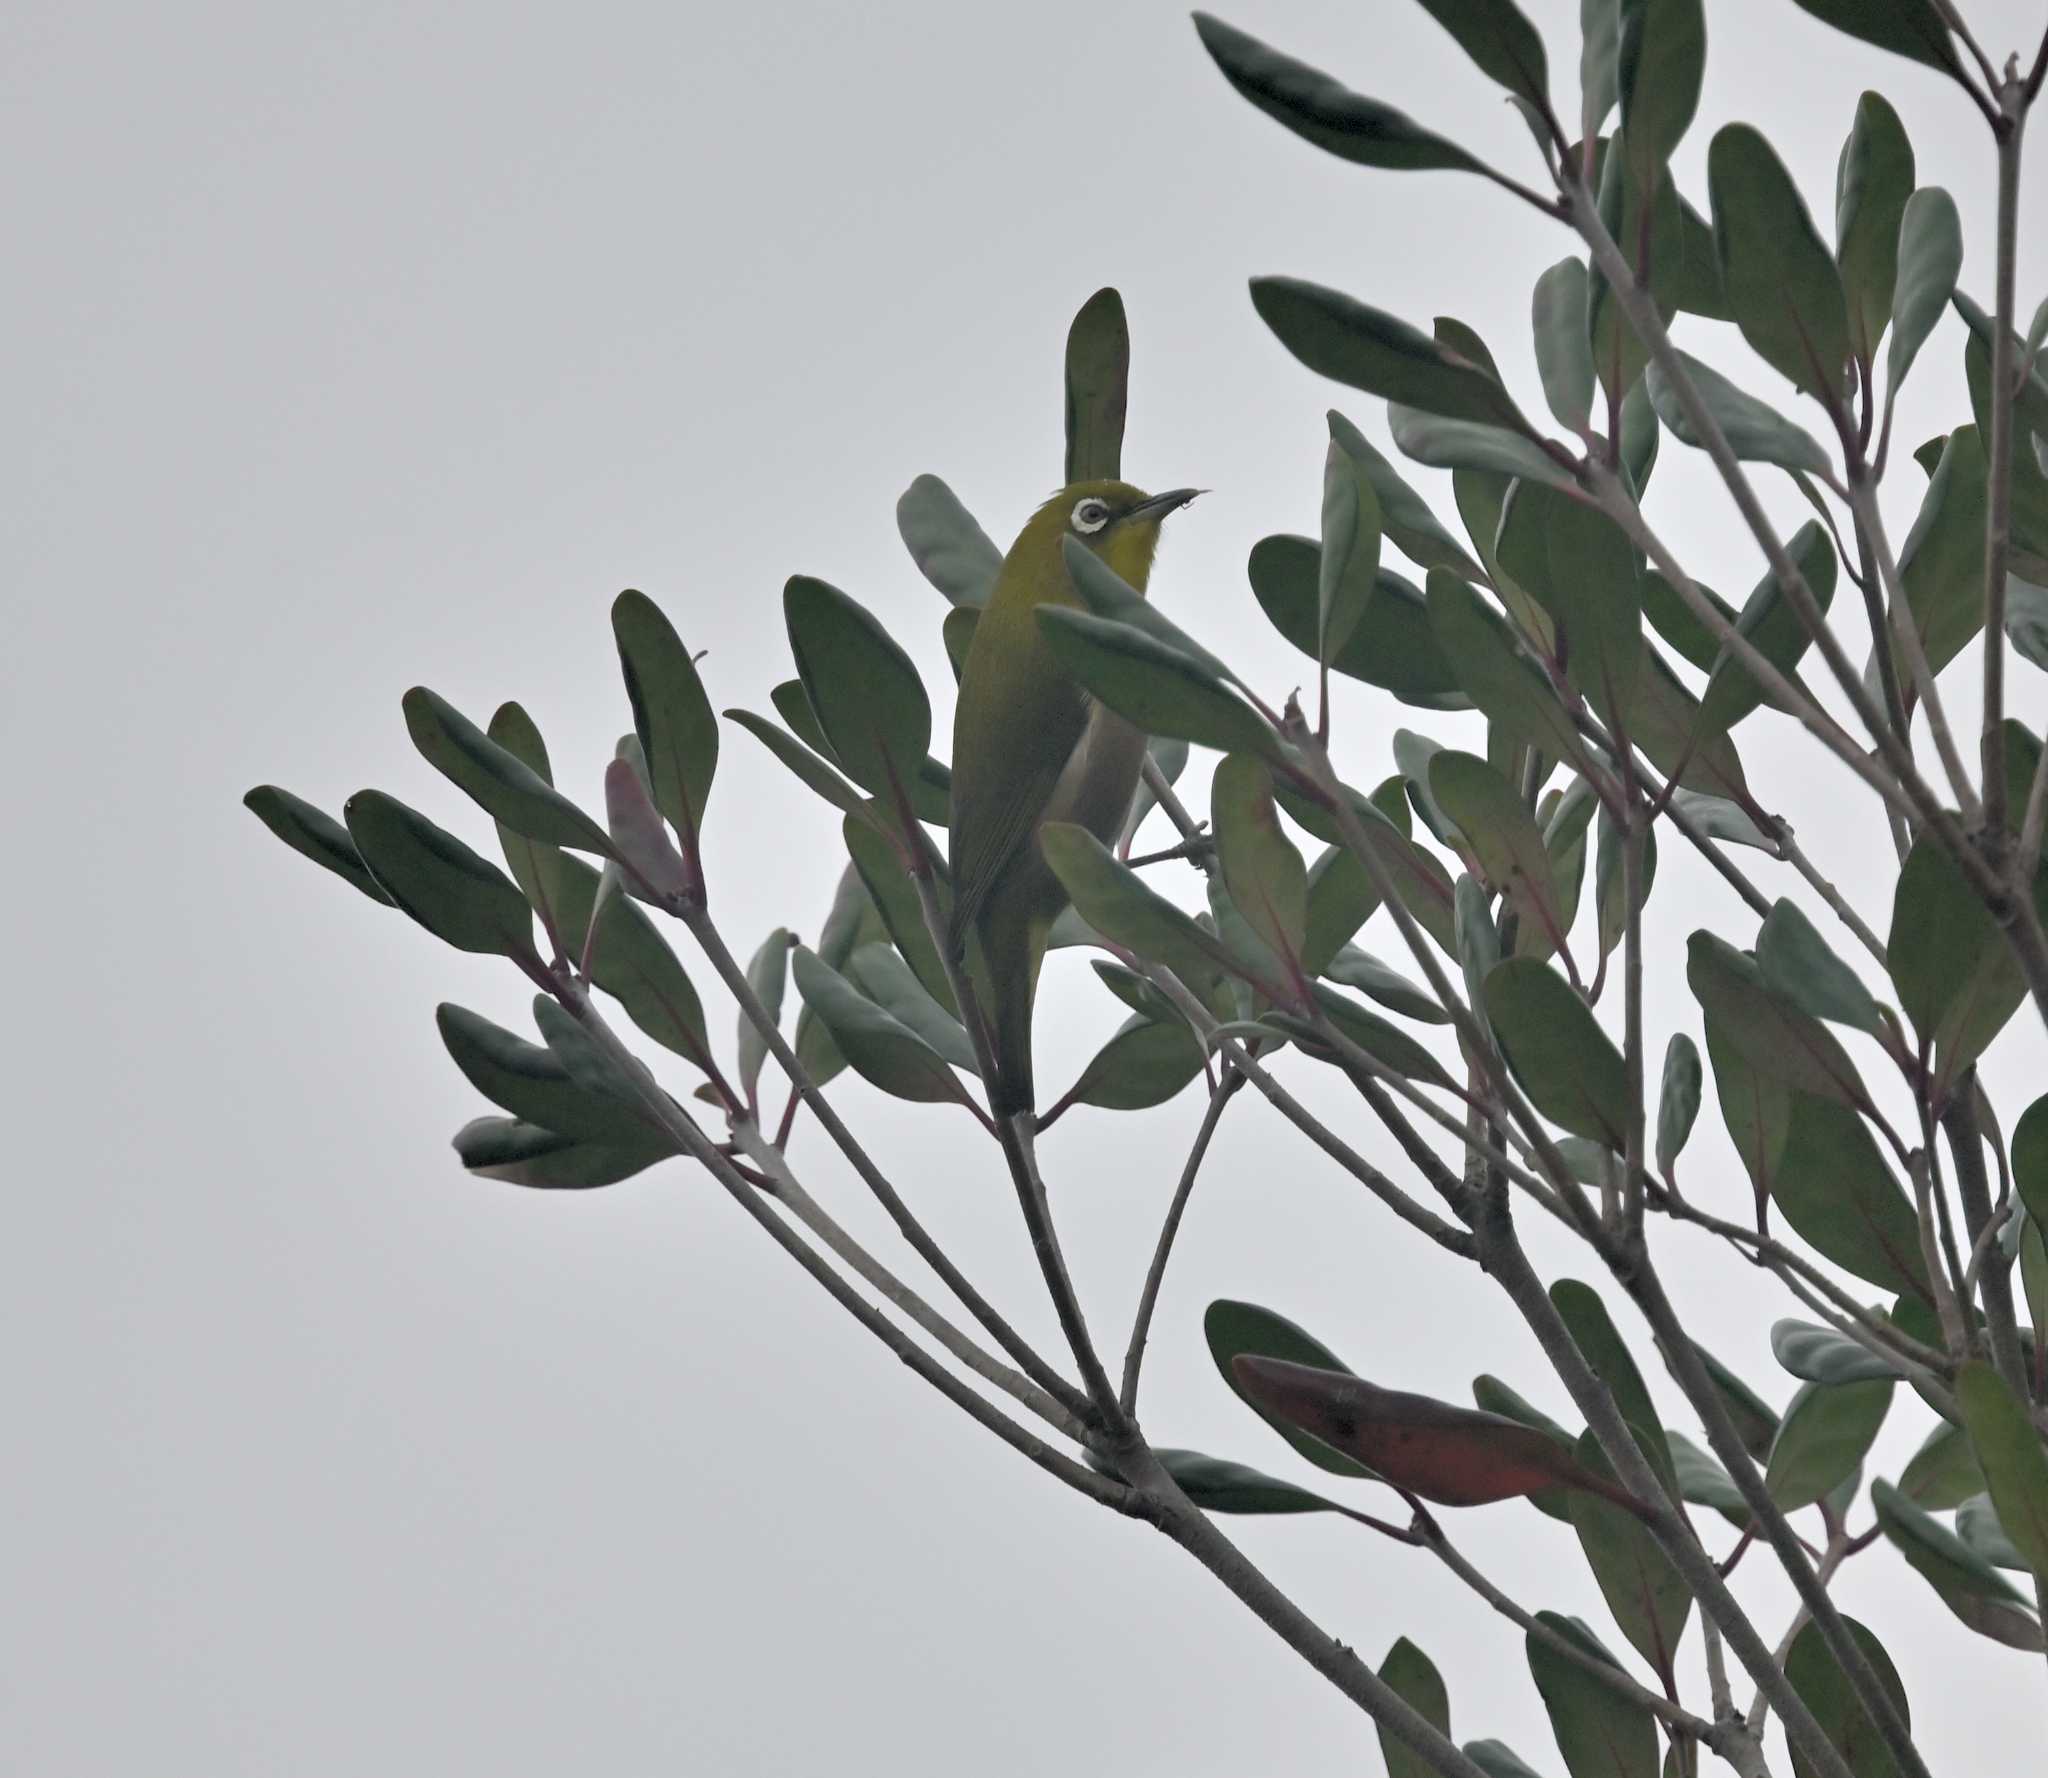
x=1030, y=746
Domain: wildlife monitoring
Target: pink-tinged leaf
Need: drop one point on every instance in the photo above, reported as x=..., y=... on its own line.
x=637, y=831
x=1451, y=1455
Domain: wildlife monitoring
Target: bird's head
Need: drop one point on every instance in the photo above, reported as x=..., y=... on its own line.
x=1118, y=522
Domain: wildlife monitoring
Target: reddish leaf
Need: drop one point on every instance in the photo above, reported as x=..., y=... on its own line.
x=1451, y=1455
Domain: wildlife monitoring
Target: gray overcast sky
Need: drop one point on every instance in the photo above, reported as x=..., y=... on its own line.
x=353, y=347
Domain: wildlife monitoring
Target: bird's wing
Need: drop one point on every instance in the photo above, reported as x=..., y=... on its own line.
x=1011, y=742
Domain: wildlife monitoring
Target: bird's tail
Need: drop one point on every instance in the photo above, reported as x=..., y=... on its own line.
x=1015, y=933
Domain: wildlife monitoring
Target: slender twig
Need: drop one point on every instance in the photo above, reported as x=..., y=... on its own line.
x=1823, y=1574
x=1647, y=1290
x=1148, y=1298
x=1017, y=1135
x=1509, y=1265
x=1632, y=841
x=1609, y=1675
x=676, y=1123
x=1966, y=1147
x=789, y=1192
x=1998, y=499
x=1025, y=1355
x=1905, y=625
x=1780, y=832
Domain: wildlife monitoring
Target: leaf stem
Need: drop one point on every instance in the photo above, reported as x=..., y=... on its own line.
x=1998, y=505
x=1148, y=1297
x=1020, y=1350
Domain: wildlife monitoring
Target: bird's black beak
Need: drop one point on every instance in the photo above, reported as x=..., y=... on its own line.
x=1161, y=504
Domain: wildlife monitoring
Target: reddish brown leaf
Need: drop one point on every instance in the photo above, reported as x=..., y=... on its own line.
x=1451, y=1455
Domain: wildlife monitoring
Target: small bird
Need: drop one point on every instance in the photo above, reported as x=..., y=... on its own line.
x=1030, y=746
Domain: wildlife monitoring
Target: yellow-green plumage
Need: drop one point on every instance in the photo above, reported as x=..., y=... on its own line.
x=1030, y=746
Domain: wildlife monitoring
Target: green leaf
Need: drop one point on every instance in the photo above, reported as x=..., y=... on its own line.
x=1601, y=1733
x=1770, y=624
x=1826, y=1433
x=1639, y=430
x=1610, y=880
x=1703, y=1482
x=1564, y=356
x=1968, y=1585
x=1445, y=443
x=1262, y=870
x=2009, y=1450
x=497, y=780
x=1340, y=898
x=1237, y=1328
x=535, y=866
x=1144, y=1064
x=531, y=1083
x=1386, y=1043
x=1957, y=977
x=1118, y=903
x=1498, y=1760
x=851, y=921
x=868, y=699
x=1495, y=674
x=1781, y=281
x=1156, y=687
x=1599, y=58
x=1756, y=1108
x=1337, y=336
x=1775, y=1035
x=1419, y=880
x=1571, y=1072
x=1108, y=595
x=2026, y=620
x=808, y=767
x=1755, y=433
x=517, y=1153
x=1404, y=515
x=1942, y=560
x=1833, y=1187
x=1503, y=837
x=1217, y=1485
x=1355, y=969
x=1818, y=1354
x=1098, y=387
x=1943, y=1473
x=1412, y=1676
x=1502, y=43
x=1580, y=566
x=314, y=834
x=881, y=1048
x=1393, y=646
x=1600, y=1342
x=1930, y=258
x=1564, y=838
x=1818, y=1678
x=895, y=897
x=632, y=962
x=881, y=974
x=1977, y=1525
x=671, y=714
x=1678, y=1100
x=1323, y=111
x=767, y=972
x=1912, y=28
x=1798, y=965
x=951, y=550
x=1873, y=180
x=1662, y=62
x=462, y=899
x=1349, y=562
x=1645, y=1593
x=2030, y=1159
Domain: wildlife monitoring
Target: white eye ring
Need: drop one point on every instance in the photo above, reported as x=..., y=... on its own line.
x=1090, y=516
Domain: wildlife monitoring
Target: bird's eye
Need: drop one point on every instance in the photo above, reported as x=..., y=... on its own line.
x=1090, y=515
